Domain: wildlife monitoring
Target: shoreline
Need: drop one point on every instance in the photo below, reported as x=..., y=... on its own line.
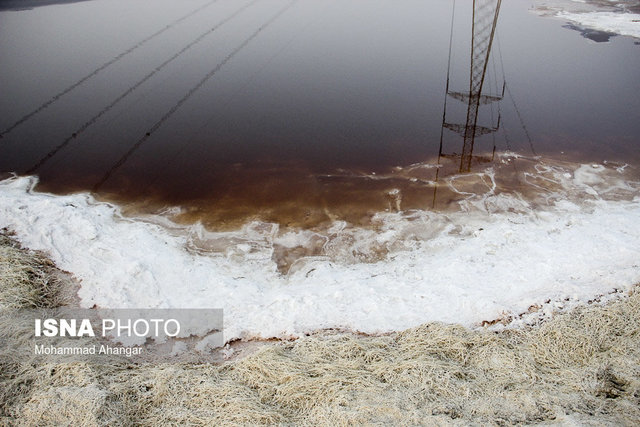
x=572, y=226
x=578, y=366
x=67, y=286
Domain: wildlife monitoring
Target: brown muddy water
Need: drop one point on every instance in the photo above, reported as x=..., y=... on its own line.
x=300, y=112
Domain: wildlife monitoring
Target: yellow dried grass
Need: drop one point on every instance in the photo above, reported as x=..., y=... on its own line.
x=580, y=367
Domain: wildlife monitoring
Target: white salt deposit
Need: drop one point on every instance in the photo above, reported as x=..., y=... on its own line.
x=626, y=24
x=572, y=239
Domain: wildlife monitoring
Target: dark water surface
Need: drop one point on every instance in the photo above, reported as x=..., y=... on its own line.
x=289, y=110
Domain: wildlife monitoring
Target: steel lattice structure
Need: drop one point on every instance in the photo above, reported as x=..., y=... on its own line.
x=485, y=19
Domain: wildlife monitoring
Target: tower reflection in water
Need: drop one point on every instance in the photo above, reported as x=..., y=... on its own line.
x=475, y=112
x=483, y=30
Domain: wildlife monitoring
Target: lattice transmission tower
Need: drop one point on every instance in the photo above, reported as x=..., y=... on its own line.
x=485, y=19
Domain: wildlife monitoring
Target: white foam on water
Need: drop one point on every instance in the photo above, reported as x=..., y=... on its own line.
x=626, y=24
x=573, y=238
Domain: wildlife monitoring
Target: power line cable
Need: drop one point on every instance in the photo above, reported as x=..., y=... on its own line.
x=177, y=153
x=127, y=92
x=112, y=61
x=444, y=110
x=188, y=95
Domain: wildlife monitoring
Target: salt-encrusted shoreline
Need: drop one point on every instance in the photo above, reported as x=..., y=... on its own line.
x=614, y=17
x=498, y=256
x=577, y=367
